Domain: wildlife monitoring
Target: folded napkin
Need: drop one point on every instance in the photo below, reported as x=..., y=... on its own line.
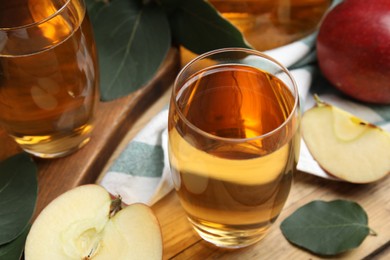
x=141, y=172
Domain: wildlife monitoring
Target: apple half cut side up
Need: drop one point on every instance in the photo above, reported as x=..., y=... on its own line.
x=80, y=224
x=346, y=146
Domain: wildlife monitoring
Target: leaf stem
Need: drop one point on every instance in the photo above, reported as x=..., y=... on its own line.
x=373, y=232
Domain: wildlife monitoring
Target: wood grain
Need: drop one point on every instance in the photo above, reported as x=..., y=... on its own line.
x=181, y=242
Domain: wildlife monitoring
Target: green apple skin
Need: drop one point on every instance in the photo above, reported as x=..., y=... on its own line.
x=353, y=49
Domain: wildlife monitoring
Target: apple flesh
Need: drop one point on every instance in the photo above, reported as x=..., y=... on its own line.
x=346, y=146
x=81, y=224
x=353, y=49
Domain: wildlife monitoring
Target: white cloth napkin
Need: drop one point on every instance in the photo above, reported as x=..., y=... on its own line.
x=141, y=172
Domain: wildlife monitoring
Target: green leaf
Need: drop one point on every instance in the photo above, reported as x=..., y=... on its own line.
x=132, y=40
x=169, y=5
x=14, y=249
x=18, y=194
x=200, y=28
x=327, y=228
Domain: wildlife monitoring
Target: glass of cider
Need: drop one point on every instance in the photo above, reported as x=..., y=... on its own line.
x=267, y=24
x=48, y=75
x=233, y=143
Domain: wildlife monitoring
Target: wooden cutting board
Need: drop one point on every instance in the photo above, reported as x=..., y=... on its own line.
x=113, y=120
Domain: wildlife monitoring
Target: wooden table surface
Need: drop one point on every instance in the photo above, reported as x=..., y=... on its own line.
x=119, y=122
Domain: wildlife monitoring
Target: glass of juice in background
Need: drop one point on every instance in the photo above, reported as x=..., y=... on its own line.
x=233, y=143
x=48, y=75
x=267, y=24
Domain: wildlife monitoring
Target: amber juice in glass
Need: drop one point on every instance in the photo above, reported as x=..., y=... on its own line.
x=268, y=24
x=233, y=143
x=48, y=75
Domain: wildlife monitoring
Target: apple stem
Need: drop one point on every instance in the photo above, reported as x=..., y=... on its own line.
x=116, y=206
x=319, y=101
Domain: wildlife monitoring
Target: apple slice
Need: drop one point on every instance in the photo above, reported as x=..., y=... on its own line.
x=346, y=146
x=84, y=223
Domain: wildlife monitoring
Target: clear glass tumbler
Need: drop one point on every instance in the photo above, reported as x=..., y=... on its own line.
x=48, y=75
x=233, y=143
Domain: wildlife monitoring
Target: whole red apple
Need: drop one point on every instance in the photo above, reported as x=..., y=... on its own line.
x=353, y=49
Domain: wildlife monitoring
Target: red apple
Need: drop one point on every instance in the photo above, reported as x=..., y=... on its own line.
x=353, y=49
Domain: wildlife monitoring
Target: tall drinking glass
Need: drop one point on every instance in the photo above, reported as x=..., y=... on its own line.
x=233, y=143
x=48, y=75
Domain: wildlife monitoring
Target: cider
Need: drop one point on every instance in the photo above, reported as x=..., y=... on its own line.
x=48, y=75
x=233, y=156
x=267, y=24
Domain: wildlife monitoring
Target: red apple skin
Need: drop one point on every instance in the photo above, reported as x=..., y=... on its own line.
x=353, y=49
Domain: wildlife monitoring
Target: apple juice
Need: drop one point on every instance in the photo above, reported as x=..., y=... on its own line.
x=233, y=156
x=48, y=79
x=268, y=24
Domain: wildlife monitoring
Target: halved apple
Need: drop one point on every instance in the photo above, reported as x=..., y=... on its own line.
x=84, y=223
x=346, y=146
